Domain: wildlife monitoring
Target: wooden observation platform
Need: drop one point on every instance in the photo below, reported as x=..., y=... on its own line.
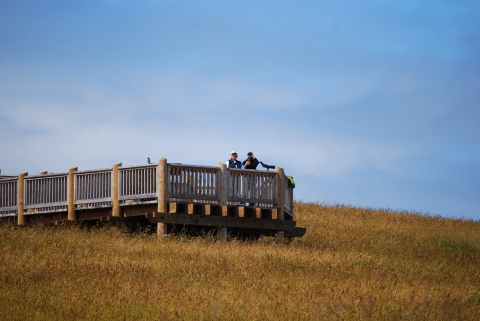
x=248, y=202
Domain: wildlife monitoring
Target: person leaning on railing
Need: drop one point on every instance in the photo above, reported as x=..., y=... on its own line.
x=233, y=162
x=250, y=163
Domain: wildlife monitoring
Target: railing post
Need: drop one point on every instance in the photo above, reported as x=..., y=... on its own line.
x=71, y=194
x=115, y=200
x=223, y=196
x=280, y=200
x=21, y=198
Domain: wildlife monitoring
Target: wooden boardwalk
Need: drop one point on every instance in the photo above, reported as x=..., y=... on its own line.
x=249, y=201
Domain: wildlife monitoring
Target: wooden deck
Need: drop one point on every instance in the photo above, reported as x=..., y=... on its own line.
x=255, y=202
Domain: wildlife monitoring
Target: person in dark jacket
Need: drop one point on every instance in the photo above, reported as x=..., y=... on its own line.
x=251, y=162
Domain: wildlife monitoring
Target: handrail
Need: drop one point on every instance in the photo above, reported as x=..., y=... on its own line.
x=48, y=190
x=193, y=182
x=8, y=196
x=137, y=182
x=252, y=186
x=94, y=186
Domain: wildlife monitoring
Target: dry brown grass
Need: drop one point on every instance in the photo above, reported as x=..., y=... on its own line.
x=352, y=264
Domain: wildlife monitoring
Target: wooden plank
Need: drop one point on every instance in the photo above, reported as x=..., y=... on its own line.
x=260, y=224
x=151, y=218
x=241, y=211
x=48, y=218
x=172, y=207
x=207, y=209
x=186, y=219
x=252, y=200
x=93, y=214
x=190, y=208
x=274, y=212
x=258, y=212
x=187, y=196
x=296, y=232
x=138, y=210
x=224, y=210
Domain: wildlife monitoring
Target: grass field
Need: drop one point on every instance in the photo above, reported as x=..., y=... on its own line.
x=352, y=264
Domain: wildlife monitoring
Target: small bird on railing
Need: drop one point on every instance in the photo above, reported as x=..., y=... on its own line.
x=148, y=160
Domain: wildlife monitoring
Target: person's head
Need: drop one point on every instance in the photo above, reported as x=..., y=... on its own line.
x=250, y=155
x=234, y=155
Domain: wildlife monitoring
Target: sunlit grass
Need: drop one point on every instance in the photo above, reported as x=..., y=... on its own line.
x=353, y=263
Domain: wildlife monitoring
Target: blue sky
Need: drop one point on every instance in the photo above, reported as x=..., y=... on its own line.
x=367, y=103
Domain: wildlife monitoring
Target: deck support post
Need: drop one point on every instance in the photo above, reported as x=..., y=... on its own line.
x=162, y=194
x=223, y=196
x=222, y=233
x=115, y=200
x=162, y=188
x=280, y=201
x=161, y=230
x=21, y=198
x=71, y=194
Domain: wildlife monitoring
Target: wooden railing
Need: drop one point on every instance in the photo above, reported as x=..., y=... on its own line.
x=122, y=186
x=288, y=192
x=137, y=184
x=93, y=188
x=193, y=182
x=8, y=196
x=246, y=185
x=46, y=193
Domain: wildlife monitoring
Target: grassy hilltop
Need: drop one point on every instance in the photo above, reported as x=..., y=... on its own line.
x=352, y=264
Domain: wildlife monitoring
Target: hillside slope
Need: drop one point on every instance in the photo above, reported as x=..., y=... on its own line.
x=352, y=264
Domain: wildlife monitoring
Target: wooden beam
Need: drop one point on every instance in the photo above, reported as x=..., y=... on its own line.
x=186, y=219
x=190, y=208
x=207, y=209
x=189, y=219
x=258, y=212
x=241, y=211
x=138, y=210
x=224, y=210
x=71, y=194
x=21, y=198
x=115, y=201
x=260, y=224
x=93, y=214
x=162, y=188
x=173, y=208
x=274, y=212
